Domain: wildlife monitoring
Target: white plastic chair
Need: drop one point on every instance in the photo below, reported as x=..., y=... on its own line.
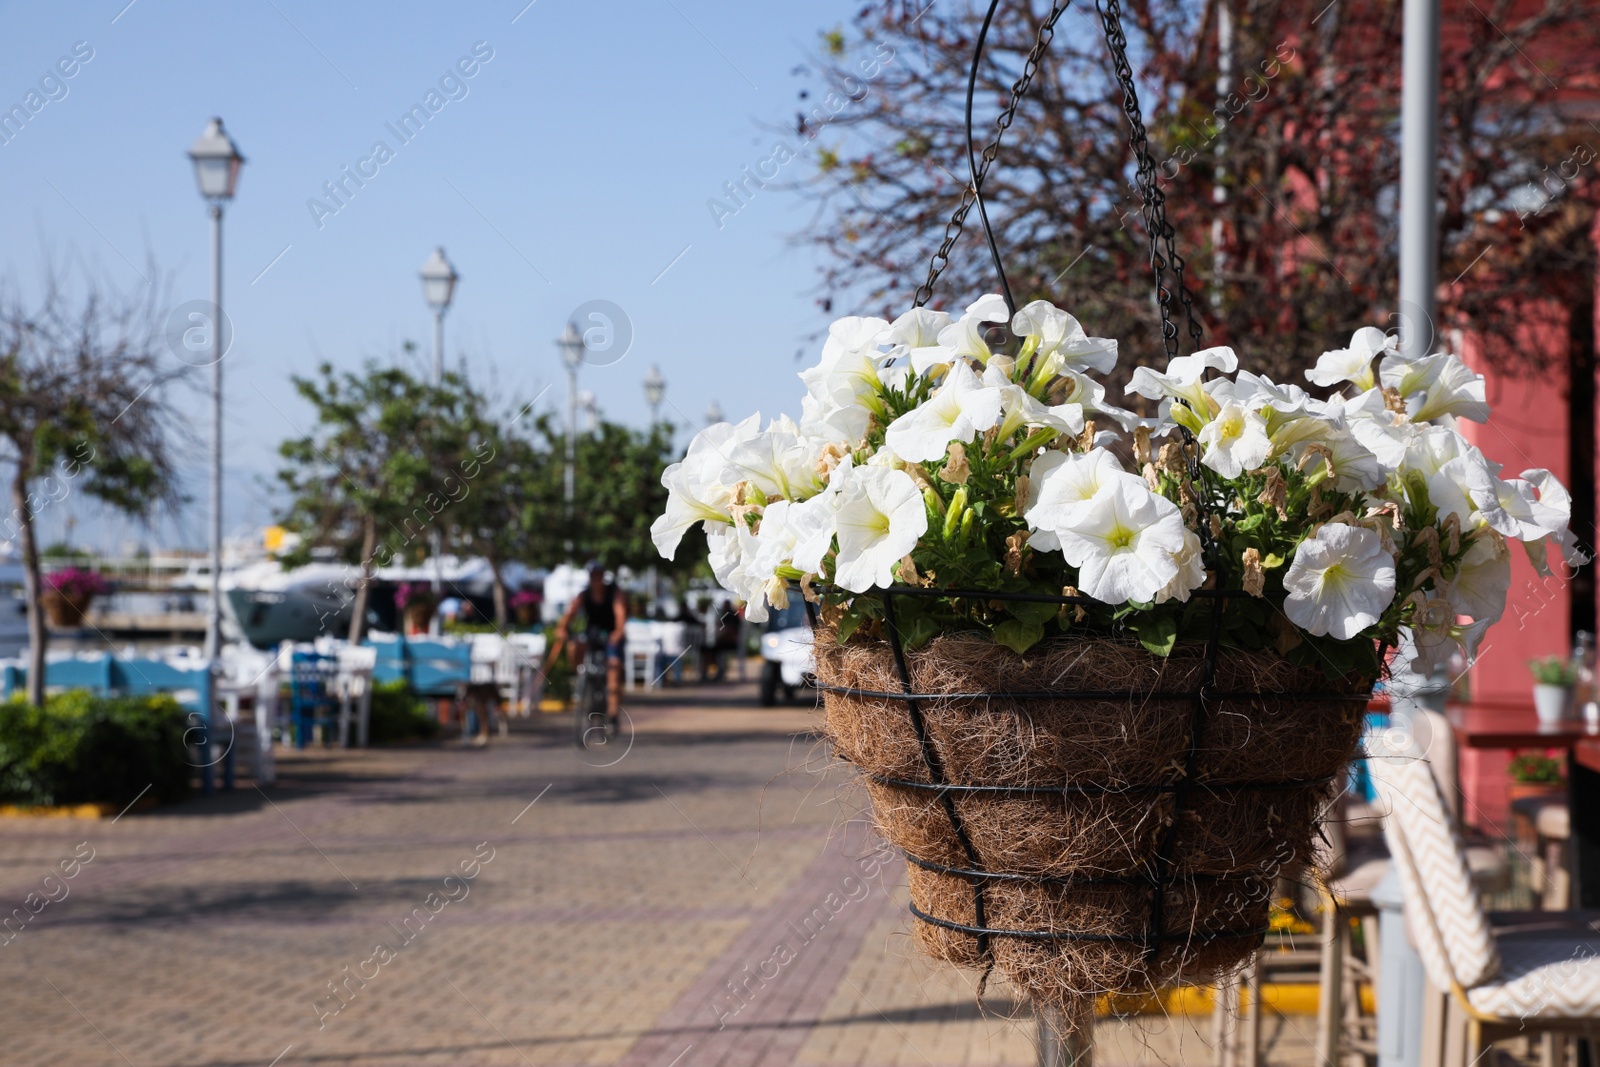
x=355, y=691
x=525, y=653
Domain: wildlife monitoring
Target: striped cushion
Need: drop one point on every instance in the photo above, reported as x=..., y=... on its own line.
x=1443, y=911
x=1543, y=977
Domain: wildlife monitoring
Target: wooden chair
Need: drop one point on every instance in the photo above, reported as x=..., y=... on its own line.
x=1538, y=973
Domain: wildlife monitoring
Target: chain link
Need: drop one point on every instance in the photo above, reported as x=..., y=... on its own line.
x=1154, y=201
x=969, y=196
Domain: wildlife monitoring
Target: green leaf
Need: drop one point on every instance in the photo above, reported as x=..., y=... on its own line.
x=919, y=632
x=1250, y=522
x=848, y=625
x=1033, y=612
x=1018, y=636
x=1159, y=634
x=1271, y=561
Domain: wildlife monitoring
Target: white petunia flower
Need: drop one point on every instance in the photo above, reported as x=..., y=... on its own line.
x=1191, y=571
x=881, y=516
x=1526, y=509
x=1355, y=468
x=1386, y=434
x=1126, y=543
x=914, y=339
x=1062, y=342
x=1435, y=386
x=733, y=550
x=1234, y=441
x=842, y=388
x=1277, y=403
x=1554, y=496
x=778, y=460
x=700, y=487
x=1481, y=584
x=1339, y=581
x=965, y=336
x=1020, y=409
x=1184, y=381
x=1061, y=486
x=1074, y=388
x=959, y=410
x=1353, y=364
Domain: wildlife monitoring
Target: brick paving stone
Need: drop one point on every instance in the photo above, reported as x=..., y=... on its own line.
x=704, y=900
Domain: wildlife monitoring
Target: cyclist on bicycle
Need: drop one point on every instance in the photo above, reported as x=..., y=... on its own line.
x=605, y=614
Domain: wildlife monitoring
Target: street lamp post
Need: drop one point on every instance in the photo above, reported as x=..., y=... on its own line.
x=655, y=390
x=216, y=162
x=439, y=279
x=713, y=413
x=570, y=345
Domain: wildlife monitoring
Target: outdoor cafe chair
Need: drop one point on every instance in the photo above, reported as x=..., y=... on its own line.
x=1507, y=975
x=354, y=685
x=1350, y=874
x=313, y=695
x=525, y=652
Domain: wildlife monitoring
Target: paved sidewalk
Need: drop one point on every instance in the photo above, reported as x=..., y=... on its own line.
x=700, y=895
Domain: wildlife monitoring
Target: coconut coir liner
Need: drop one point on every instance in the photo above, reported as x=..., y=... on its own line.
x=1263, y=773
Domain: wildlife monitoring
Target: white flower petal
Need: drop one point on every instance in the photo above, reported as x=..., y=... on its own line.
x=1339, y=581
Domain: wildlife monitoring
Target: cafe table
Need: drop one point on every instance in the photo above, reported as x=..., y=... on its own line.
x=1514, y=725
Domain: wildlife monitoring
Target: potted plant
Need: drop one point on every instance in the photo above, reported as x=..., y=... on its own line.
x=1552, y=688
x=1535, y=774
x=1097, y=668
x=416, y=603
x=68, y=594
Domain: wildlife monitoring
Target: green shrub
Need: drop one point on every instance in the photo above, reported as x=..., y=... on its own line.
x=398, y=714
x=84, y=749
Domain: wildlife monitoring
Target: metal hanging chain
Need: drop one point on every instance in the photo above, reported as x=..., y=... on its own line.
x=1154, y=200
x=1154, y=209
x=979, y=166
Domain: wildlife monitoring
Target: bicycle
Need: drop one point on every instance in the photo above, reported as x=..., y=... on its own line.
x=593, y=724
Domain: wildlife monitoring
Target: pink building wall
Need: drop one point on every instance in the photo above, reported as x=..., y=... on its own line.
x=1528, y=427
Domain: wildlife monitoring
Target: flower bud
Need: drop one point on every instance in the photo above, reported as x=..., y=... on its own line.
x=952, y=517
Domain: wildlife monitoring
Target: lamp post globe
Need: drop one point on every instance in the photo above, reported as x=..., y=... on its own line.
x=713, y=413
x=216, y=161
x=655, y=390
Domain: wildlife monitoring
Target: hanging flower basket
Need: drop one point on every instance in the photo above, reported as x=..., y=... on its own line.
x=68, y=593
x=417, y=604
x=1078, y=814
x=1100, y=670
x=64, y=612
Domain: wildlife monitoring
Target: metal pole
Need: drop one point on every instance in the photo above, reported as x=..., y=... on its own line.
x=438, y=345
x=1059, y=1046
x=1401, y=989
x=570, y=481
x=1419, y=138
x=214, y=609
x=436, y=545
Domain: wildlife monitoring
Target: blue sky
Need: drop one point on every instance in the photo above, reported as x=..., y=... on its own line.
x=575, y=164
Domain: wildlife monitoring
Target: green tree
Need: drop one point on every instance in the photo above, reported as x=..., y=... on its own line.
x=618, y=493
x=83, y=408
x=388, y=459
x=497, y=519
